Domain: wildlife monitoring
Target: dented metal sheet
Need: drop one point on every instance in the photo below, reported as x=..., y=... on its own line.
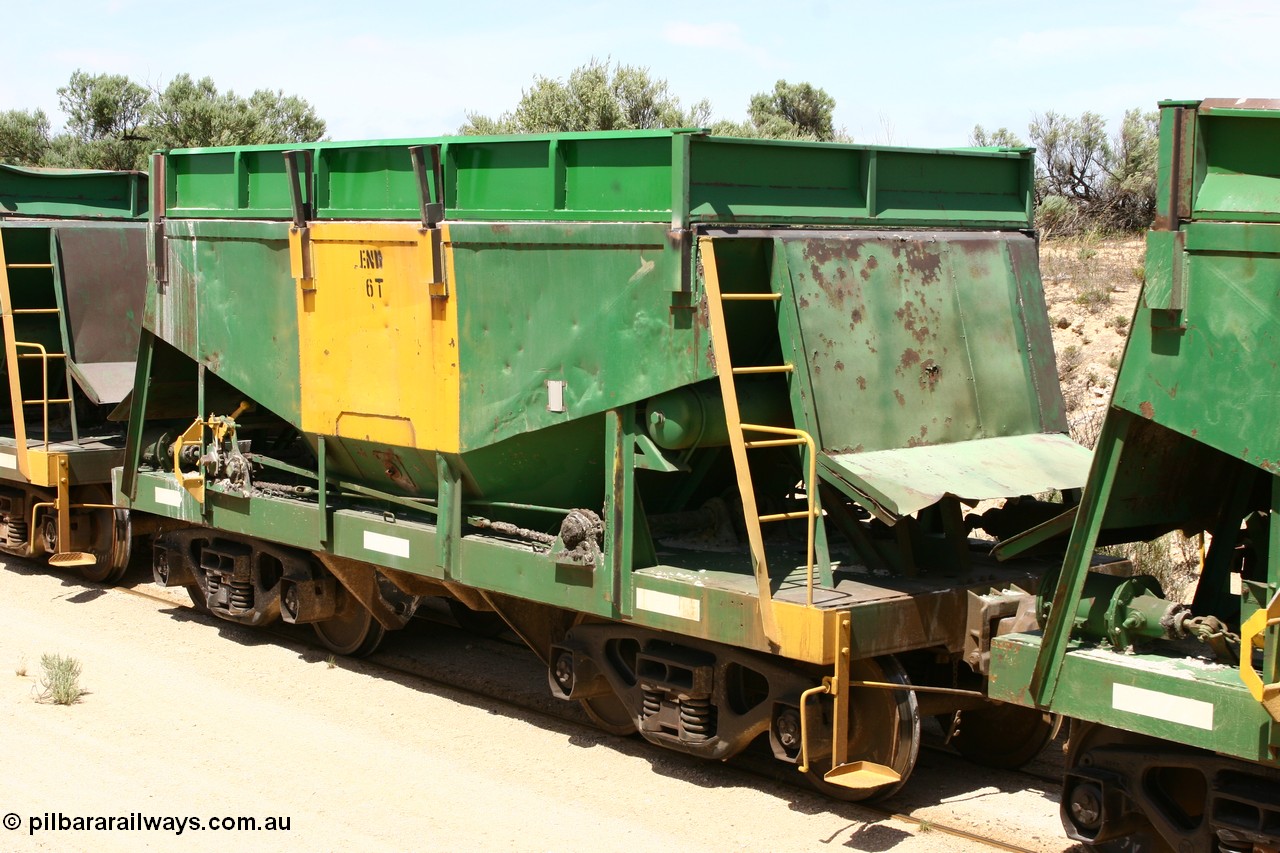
x=907, y=480
x=923, y=338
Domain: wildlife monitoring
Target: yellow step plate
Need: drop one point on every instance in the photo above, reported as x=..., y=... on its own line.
x=862, y=775
x=72, y=558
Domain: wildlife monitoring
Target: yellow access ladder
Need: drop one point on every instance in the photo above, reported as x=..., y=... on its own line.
x=54, y=470
x=740, y=444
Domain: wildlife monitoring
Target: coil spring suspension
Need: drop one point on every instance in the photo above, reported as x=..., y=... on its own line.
x=18, y=532
x=697, y=719
x=212, y=584
x=652, y=703
x=241, y=596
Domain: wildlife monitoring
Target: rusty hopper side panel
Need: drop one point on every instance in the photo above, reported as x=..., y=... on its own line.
x=931, y=367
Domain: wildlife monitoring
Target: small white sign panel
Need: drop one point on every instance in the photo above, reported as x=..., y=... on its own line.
x=383, y=544
x=1162, y=706
x=668, y=605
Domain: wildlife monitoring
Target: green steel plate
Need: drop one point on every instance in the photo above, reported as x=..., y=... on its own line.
x=72, y=193
x=1211, y=376
x=1185, y=700
x=1237, y=168
x=670, y=176
x=907, y=480
x=922, y=338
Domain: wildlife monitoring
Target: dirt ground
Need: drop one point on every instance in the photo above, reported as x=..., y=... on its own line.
x=187, y=716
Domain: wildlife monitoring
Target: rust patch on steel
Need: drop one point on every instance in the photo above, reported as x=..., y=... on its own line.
x=868, y=268
x=930, y=370
x=862, y=383
x=394, y=469
x=1148, y=411
x=907, y=315
x=920, y=260
x=909, y=357
x=902, y=401
x=839, y=364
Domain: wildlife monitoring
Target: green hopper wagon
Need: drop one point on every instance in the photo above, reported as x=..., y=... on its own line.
x=698, y=418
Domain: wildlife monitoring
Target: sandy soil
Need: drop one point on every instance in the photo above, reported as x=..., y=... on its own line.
x=1091, y=287
x=188, y=716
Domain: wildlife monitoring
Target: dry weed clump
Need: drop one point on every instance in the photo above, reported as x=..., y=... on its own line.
x=60, y=684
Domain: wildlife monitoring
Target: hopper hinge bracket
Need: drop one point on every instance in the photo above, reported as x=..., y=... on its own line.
x=431, y=212
x=300, y=233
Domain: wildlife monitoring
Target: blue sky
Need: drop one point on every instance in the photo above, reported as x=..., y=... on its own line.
x=908, y=73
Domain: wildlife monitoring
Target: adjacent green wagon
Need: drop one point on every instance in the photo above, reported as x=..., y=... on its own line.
x=1177, y=703
x=72, y=281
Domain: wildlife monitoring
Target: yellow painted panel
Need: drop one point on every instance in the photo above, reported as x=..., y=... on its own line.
x=44, y=467
x=379, y=352
x=806, y=633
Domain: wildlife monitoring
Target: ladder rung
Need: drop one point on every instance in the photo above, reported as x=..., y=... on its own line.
x=44, y=356
x=36, y=311
x=750, y=297
x=787, y=516
x=30, y=266
x=774, y=442
x=768, y=368
x=46, y=402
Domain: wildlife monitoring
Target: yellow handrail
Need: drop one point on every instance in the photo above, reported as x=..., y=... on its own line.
x=797, y=436
x=44, y=400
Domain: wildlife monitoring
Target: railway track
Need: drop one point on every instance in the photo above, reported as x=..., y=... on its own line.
x=417, y=655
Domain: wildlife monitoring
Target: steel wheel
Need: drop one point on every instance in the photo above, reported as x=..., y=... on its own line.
x=353, y=631
x=1000, y=735
x=1088, y=736
x=885, y=728
x=609, y=714
x=110, y=537
x=198, y=598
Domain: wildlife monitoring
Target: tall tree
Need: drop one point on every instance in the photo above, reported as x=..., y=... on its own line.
x=790, y=111
x=105, y=123
x=794, y=109
x=1086, y=179
x=24, y=137
x=191, y=113
x=1002, y=137
x=595, y=96
x=113, y=122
